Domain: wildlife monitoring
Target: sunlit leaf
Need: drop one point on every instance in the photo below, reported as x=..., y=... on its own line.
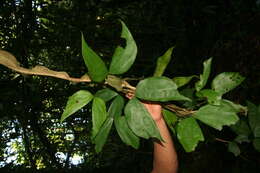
x=212, y=96
x=140, y=121
x=204, y=76
x=76, y=102
x=125, y=133
x=106, y=94
x=99, y=115
x=189, y=133
x=102, y=135
x=123, y=58
x=162, y=62
x=170, y=118
x=97, y=69
x=254, y=118
x=158, y=89
x=183, y=80
x=233, y=148
x=217, y=116
x=224, y=82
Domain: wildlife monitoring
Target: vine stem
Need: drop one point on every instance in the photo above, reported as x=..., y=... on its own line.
x=125, y=84
x=222, y=140
x=182, y=112
x=121, y=85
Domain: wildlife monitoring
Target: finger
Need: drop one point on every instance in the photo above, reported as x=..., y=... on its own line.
x=129, y=95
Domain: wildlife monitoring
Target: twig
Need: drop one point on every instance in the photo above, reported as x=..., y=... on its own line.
x=121, y=85
x=221, y=140
x=178, y=110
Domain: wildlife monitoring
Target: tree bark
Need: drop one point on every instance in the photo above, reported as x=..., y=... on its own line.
x=27, y=145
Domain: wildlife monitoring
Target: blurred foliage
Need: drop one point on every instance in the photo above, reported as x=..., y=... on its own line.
x=46, y=32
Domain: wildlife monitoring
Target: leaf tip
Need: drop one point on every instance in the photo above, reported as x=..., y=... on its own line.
x=61, y=120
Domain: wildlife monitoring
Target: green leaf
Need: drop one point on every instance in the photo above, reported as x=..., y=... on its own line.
x=189, y=92
x=170, y=118
x=116, y=107
x=205, y=75
x=76, y=102
x=162, y=62
x=237, y=107
x=125, y=133
x=140, y=121
x=241, y=138
x=212, y=96
x=183, y=80
x=217, y=116
x=241, y=128
x=158, y=89
x=224, y=82
x=254, y=118
x=123, y=58
x=233, y=148
x=97, y=69
x=189, y=134
x=106, y=94
x=102, y=135
x=256, y=144
x=99, y=115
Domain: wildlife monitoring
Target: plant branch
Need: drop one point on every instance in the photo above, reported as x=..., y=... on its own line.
x=222, y=140
x=121, y=85
x=8, y=60
x=182, y=112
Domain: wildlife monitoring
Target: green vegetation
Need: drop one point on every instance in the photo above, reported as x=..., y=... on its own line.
x=209, y=111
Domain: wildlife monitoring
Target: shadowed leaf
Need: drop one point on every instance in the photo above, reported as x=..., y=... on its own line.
x=102, y=135
x=254, y=118
x=233, y=148
x=256, y=144
x=212, y=96
x=162, y=62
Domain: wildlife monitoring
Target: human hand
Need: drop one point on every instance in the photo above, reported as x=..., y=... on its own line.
x=155, y=110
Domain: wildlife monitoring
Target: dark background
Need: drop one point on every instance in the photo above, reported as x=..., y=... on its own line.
x=47, y=32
